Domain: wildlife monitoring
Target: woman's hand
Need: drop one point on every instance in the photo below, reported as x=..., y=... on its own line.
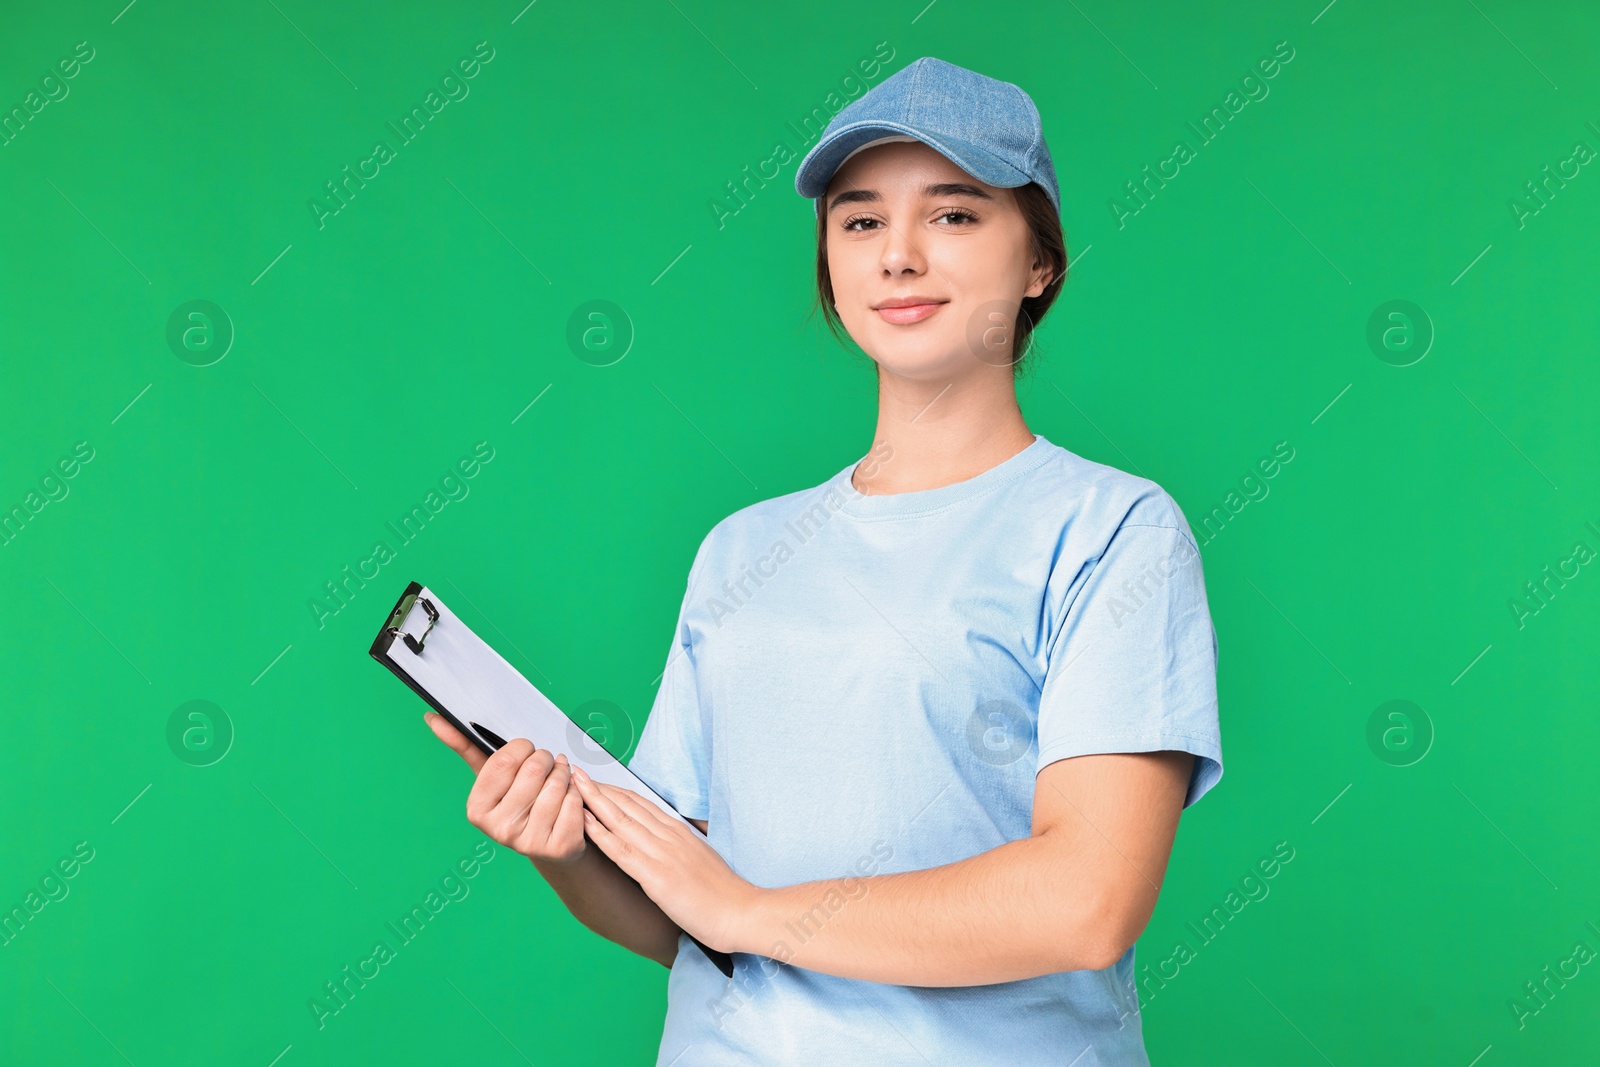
x=673, y=865
x=524, y=797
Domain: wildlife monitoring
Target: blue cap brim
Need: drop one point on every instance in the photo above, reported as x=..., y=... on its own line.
x=816, y=170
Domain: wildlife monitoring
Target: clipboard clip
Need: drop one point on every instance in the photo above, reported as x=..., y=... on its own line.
x=399, y=616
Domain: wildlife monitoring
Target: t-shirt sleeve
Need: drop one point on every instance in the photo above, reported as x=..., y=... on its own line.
x=1133, y=667
x=673, y=755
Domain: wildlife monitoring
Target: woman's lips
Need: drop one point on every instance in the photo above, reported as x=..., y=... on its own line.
x=913, y=313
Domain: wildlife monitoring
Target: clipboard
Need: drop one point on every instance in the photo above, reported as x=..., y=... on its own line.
x=482, y=695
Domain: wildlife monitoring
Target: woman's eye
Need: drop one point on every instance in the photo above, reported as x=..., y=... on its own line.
x=862, y=223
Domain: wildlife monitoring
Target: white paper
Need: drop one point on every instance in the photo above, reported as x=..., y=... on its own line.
x=461, y=672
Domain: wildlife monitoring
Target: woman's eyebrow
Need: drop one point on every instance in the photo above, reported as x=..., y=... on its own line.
x=931, y=191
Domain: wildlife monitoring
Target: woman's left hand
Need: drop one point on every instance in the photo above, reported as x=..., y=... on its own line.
x=672, y=863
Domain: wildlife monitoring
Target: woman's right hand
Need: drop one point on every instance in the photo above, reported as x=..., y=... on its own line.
x=524, y=798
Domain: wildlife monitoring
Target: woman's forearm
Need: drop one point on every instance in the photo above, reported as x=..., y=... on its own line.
x=607, y=901
x=1017, y=911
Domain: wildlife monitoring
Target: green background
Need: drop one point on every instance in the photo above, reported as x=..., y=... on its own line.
x=1229, y=314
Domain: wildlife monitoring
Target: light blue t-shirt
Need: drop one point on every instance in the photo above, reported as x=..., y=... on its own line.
x=868, y=684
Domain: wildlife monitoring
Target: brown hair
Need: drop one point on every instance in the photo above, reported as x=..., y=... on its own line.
x=1046, y=242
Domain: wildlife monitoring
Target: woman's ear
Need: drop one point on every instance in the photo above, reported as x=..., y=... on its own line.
x=1043, y=275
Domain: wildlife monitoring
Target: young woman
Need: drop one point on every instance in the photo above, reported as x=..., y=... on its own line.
x=939, y=714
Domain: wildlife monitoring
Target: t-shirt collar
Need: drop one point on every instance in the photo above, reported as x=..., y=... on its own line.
x=887, y=505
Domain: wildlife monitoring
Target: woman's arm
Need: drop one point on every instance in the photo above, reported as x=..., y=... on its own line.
x=611, y=904
x=524, y=798
x=1072, y=896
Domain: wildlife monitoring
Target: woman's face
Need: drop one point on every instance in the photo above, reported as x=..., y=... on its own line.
x=903, y=221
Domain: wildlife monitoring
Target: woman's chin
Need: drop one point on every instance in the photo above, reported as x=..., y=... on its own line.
x=924, y=364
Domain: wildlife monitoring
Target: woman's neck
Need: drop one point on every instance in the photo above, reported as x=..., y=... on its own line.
x=933, y=434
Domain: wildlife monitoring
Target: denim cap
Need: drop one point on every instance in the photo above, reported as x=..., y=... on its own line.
x=988, y=128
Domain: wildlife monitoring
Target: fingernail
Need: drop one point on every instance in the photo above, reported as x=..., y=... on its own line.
x=561, y=757
x=577, y=772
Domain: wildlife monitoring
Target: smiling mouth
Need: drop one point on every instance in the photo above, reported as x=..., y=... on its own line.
x=909, y=313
